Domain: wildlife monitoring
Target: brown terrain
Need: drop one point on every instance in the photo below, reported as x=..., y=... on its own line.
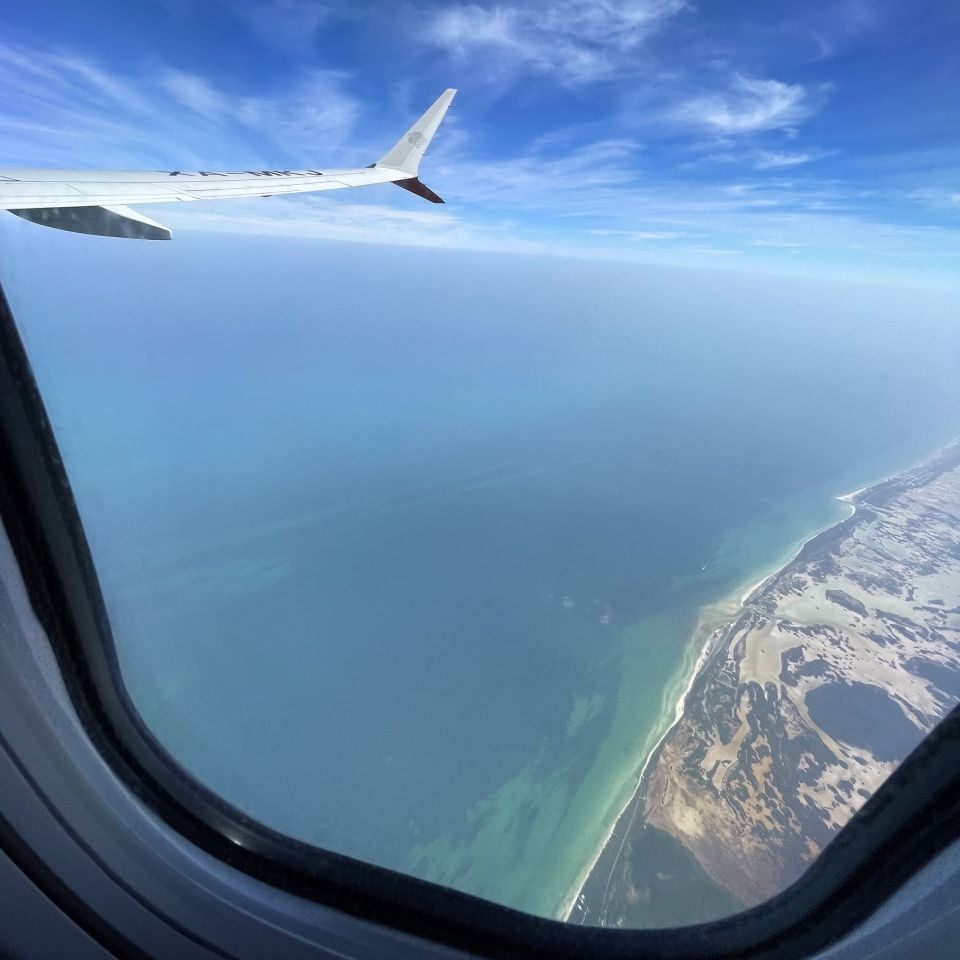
x=833, y=670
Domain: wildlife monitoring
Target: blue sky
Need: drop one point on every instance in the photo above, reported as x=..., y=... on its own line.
x=815, y=137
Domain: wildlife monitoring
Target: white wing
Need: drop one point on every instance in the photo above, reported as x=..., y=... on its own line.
x=95, y=201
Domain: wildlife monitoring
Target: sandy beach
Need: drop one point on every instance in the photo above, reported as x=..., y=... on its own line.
x=712, y=618
x=569, y=902
x=756, y=775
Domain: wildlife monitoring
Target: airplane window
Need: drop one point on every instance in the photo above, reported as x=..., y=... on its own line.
x=590, y=543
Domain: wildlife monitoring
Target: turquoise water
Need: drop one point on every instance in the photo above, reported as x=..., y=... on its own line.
x=403, y=550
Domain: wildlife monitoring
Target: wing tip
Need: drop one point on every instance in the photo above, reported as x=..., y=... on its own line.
x=415, y=185
x=406, y=153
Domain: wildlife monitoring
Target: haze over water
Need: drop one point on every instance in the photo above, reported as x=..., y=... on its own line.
x=403, y=549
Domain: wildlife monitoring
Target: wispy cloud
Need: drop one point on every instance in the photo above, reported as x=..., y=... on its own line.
x=677, y=220
x=587, y=188
x=194, y=92
x=773, y=160
x=777, y=159
x=70, y=111
x=572, y=41
x=316, y=111
x=643, y=236
x=343, y=220
x=559, y=181
x=749, y=105
x=938, y=199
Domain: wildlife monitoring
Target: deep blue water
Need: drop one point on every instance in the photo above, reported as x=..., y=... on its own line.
x=398, y=543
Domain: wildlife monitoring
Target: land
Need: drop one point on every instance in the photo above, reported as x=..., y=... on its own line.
x=833, y=669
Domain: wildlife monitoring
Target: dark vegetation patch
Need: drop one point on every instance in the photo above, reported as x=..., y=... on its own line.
x=659, y=883
x=814, y=668
x=843, y=599
x=790, y=661
x=874, y=583
x=943, y=677
x=862, y=715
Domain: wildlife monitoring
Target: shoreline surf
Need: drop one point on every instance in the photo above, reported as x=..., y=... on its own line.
x=713, y=617
x=709, y=628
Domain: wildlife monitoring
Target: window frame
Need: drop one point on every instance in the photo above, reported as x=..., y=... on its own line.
x=909, y=820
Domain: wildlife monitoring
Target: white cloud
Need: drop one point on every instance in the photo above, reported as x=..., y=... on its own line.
x=597, y=190
x=69, y=111
x=571, y=192
x=574, y=41
x=645, y=235
x=749, y=105
x=334, y=218
x=775, y=159
x=315, y=111
x=576, y=182
x=194, y=93
x=935, y=198
x=43, y=79
x=314, y=119
x=467, y=27
x=760, y=159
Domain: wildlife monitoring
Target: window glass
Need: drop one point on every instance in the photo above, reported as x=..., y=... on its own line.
x=590, y=544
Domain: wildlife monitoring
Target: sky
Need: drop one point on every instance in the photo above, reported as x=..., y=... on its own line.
x=820, y=138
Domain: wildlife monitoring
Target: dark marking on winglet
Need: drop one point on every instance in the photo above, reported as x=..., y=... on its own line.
x=414, y=185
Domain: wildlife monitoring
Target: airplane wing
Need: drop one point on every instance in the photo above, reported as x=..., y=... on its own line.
x=95, y=201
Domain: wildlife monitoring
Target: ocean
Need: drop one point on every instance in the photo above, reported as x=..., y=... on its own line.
x=403, y=549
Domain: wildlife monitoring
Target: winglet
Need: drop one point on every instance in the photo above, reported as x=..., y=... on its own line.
x=408, y=151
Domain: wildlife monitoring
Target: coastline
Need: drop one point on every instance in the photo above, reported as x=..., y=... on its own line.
x=712, y=618
x=845, y=498
x=569, y=902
